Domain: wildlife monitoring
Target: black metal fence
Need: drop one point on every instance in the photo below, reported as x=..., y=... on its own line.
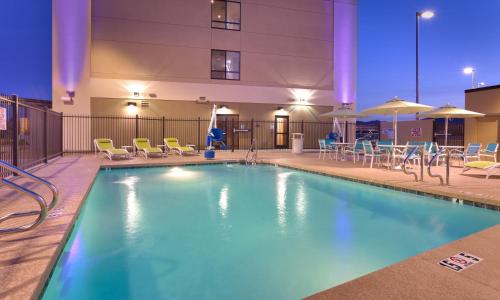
x=81, y=130
x=456, y=129
x=29, y=135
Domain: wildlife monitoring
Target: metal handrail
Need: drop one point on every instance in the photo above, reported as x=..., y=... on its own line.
x=406, y=160
x=253, y=159
x=44, y=208
x=430, y=165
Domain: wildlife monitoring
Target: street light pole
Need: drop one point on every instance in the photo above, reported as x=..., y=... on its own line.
x=471, y=71
x=417, y=79
x=426, y=15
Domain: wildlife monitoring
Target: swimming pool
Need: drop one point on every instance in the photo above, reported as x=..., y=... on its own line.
x=238, y=232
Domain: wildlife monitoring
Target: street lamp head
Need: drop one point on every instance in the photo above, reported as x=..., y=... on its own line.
x=428, y=14
x=468, y=70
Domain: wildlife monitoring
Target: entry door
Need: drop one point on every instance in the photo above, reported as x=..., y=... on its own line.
x=281, y=134
x=227, y=123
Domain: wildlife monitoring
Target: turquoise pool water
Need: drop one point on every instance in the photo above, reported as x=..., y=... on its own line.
x=237, y=232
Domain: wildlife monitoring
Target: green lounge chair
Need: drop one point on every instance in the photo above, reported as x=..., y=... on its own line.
x=486, y=166
x=144, y=147
x=172, y=144
x=106, y=147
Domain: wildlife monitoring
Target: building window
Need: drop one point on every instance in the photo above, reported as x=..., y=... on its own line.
x=226, y=14
x=225, y=65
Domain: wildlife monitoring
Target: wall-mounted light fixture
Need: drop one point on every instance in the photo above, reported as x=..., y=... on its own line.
x=223, y=110
x=132, y=108
x=280, y=111
x=137, y=94
x=68, y=99
x=302, y=96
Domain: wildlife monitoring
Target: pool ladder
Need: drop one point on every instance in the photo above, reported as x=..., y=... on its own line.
x=251, y=157
x=44, y=208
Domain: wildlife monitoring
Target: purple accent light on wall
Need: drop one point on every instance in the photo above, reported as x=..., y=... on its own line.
x=72, y=18
x=344, y=56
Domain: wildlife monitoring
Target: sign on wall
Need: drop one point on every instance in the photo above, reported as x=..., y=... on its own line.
x=389, y=132
x=3, y=118
x=416, y=132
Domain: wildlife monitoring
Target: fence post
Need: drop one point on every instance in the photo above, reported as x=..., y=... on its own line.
x=46, y=135
x=199, y=134
x=302, y=126
x=15, y=131
x=62, y=134
x=251, y=134
x=232, y=135
x=136, y=126
x=163, y=128
x=346, y=132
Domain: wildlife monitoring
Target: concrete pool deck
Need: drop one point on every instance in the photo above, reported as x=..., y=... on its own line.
x=27, y=258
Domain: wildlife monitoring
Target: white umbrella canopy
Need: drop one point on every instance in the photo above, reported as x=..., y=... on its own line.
x=450, y=111
x=396, y=107
x=344, y=112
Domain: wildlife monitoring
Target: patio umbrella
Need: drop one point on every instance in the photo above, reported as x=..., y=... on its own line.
x=397, y=107
x=450, y=111
x=344, y=112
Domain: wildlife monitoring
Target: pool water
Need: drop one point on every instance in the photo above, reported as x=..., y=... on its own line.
x=238, y=232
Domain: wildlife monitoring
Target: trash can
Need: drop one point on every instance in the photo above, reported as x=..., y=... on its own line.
x=297, y=143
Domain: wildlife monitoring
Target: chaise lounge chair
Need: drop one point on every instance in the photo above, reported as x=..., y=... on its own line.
x=487, y=166
x=172, y=144
x=106, y=147
x=144, y=147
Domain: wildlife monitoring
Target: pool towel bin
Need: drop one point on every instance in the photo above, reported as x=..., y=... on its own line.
x=297, y=143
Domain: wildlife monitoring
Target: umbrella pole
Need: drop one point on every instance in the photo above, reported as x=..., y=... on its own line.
x=446, y=131
x=345, y=131
x=395, y=126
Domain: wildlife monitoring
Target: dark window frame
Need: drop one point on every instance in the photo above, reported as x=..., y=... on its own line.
x=225, y=66
x=225, y=22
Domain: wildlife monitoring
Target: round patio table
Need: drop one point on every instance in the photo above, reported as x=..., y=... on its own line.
x=391, y=164
x=342, y=147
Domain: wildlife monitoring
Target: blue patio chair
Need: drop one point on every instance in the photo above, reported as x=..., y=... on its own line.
x=355, y=150
x=431, y=149
x=371, y=153
x=472, y=152
x=385, y=147
x=408, y=152
x=323, y=149
x=491, y=151
x=330, y=145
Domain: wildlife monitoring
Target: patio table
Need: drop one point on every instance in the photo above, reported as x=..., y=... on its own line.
x=392, y=156
x=342, y=146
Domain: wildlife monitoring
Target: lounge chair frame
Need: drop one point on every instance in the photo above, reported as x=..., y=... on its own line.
x=107, y=153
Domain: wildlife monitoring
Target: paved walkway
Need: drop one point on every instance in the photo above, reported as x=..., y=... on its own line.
x=27, y=258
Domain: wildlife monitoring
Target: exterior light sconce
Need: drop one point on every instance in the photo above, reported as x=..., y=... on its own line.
x=280, y=111
x=132, y=108
x=137, y=94
x=224, y=107
x=69, y=98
